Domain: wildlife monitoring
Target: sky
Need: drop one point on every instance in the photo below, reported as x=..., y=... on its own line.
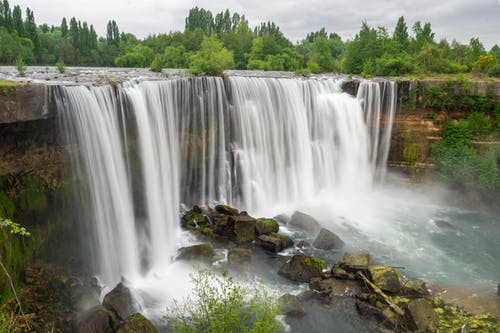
x=452, y=19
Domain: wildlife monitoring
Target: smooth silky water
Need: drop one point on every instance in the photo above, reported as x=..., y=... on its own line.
x=267, y=146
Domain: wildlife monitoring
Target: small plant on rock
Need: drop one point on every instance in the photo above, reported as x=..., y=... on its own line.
x=21, y=66
x=220, y=305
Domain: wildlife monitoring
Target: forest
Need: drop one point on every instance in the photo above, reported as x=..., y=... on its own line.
x=212, y=43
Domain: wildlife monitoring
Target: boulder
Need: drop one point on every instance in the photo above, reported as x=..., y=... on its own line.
x=327, y=240
x=302, y=268
x=227, y=210
x=423, y=315
x=206, y=210
x=120, y=301
x=415, y=287
x=200, y=252
x=221, y=225
x=96, y=320
x=318, y=284
x=444, y=224
x=266, y=226
x=274, y=242
x=354, y=262
x=282, y=218
x=137, y=323
x=340, y=273
x=290, y=305
x=193, y=219
x=386, y=278
x=243, y=228
x=303, y=244
x=238, y=255
x=305, y=222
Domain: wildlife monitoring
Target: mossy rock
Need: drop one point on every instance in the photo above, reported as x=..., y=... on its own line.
x=243, y=228
x=200, y=252
x=354, y=262
x=302, y=268
x=340, y=273
x=222, y=226
x=136, y=323
x=415, y=287
x=239, y=255
x=386, y=278
x=274, y=242
x=120, y=301
x=265, y=226
x=97, y=320
x=290, y=305
x=320, y=284
x=227, y=210
x=423, y=315
x=193, y=220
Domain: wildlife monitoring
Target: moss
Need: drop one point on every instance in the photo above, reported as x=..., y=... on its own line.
x=452, y=319
x=315, y=263
x=7, y=207
x=33, y=195
x=7, y=88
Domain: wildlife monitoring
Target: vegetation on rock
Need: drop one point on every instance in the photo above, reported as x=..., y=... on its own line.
x=220, y=304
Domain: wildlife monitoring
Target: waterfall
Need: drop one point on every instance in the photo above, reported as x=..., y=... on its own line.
x=261, y=144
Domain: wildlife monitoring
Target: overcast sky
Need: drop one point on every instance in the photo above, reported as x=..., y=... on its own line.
x=460, y=19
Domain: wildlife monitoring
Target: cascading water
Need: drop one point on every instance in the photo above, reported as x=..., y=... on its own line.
x=267, y=145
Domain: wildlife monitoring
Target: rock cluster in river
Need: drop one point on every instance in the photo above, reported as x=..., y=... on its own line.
x=376, y=291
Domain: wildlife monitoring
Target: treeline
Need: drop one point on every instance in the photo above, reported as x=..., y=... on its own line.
x=209, y=44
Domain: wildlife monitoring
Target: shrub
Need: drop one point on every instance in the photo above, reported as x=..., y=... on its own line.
x=61, y=68
x=222, y=305
x=21, y=66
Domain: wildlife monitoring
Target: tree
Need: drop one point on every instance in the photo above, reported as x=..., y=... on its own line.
x=199, y=18
x=113, y=33
x=321, y=58
x=32, y=32
x=17, y=21
x=212, y=58
x=64, y=28
x=401, y=34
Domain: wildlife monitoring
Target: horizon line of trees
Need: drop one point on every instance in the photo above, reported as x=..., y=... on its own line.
x=211, y=43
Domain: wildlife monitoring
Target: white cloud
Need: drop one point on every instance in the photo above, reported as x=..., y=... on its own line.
x=450, y=19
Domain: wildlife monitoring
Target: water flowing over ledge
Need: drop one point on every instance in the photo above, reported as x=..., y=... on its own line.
x=259, y=143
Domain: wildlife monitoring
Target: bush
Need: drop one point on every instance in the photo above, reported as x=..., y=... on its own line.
x=20, y=66
x=212, y=59
x=221, y=305
x=399, y=65
x=61, y=67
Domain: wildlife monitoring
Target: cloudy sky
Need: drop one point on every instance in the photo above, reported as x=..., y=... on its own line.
x=460, y=19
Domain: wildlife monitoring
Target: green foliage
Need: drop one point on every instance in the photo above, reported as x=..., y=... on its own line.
x=459, y=163
x=394, y=66
x=13, y=227
x=212, y=58
x=20, y=65
x=410, y=153
x=454, y=319
x=222, y=305
x=61, y=68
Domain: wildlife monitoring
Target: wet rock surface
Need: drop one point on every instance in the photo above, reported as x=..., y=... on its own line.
x=327, y=240
x=120, y=301
x=302, y=268
x=306, y=222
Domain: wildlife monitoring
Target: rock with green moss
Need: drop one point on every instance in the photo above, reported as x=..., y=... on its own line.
x=243, y=228
x=137, y=323
x=290, y=305
x=274, y=242
x=415, y=287
x=386, y=278
x=193, y=219
x=354, y=262
x=227, y=210
x=327, y=240
x=238, y=255
x=265, y=226
x=302, y=268
x=200, y=252
x=120, y=301
x=340, y=273
x=222, y=226
x=97, y=320
x=423, y=315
